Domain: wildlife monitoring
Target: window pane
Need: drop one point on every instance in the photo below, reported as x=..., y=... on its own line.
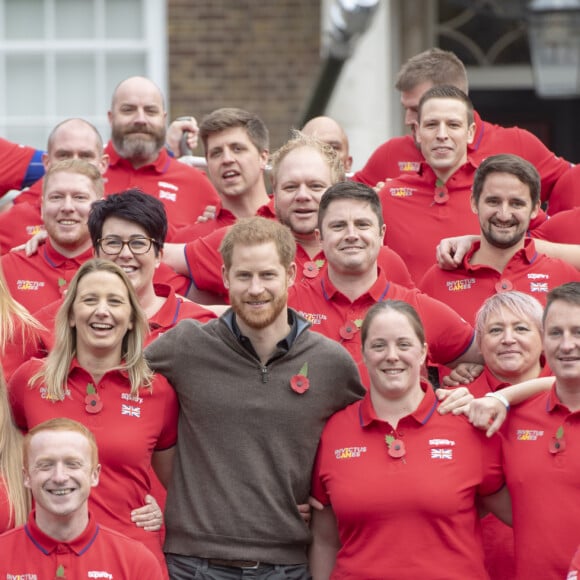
x=119, y=67
x=26, y=86
x=74, y=19
x=36, y=136
x=24, y=19
x=124, y=19
x=75, y=86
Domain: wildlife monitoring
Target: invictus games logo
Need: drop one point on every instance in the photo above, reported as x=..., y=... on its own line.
x=459, y=285
x=31, y=285
x=313, y=317
x=349, y=452
x=401, y=191
x=528, y=434
x=409, y=166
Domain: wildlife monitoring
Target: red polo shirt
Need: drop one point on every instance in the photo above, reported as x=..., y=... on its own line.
x=41, y=278
x=561, y=228
x=401, y=155
x=543, y=485
x=14, y=162
x=413, y=516
x=223, y=219
x=466, y=288
x=184, y=190
x=334, y=315
x=98, y=552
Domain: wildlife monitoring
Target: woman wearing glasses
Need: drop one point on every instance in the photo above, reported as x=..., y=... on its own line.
x=129, y=228
x=97, y=375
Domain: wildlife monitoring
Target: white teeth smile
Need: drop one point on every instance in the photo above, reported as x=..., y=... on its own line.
x=61, y=491
x=98, y=326
x=230, y=174
x=67, y=222
x=392, y=371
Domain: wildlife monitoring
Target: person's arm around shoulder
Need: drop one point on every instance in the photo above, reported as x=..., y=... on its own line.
x=325, y=543
x=451, y=251
x=568, y=252
x=490, y=412
x=174, y=257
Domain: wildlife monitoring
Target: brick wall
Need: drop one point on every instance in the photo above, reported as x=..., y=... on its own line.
x=260, y=55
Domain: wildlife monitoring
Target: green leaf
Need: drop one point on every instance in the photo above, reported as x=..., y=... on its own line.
x=91, y=389
x=319, y=263
x=389, y=440
x=358, y=322
x=60, y=571
x=439, y=183
x=61, y=282
x=560, y=432
x=304, y=370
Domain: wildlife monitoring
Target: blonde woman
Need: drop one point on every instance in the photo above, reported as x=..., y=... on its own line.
x=14, y=499
x=97, y=375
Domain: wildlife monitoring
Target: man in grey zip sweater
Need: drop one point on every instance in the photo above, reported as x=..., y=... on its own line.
x=255, y=388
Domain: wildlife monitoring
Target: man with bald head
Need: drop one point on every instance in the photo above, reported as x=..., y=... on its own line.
x=70, y=139
x=138, y=157
x=330, y=132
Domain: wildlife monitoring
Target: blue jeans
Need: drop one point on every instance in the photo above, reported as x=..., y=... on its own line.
x=191, y=568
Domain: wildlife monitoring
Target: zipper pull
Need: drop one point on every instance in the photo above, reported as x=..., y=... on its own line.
x=264, y=374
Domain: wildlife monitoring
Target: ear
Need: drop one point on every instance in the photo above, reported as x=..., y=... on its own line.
x=264, y=156
x=473, y=205
x=225, y=278
x=291, y=273
x=348, y=164
x=104, y=163
x=45, y=160
x=535, y=211
x=26, y=477
x=159, y=258
x=471, y=133
x=110, y=117
x=95, y=475
x=318, y=235
x=424, y=353
x=383, y=232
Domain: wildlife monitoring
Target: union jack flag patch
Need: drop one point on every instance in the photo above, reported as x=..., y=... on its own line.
x=441, y=453
x=131, y=411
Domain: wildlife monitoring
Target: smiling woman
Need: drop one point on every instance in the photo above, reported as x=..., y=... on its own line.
x=393, y=473
x=97, y=375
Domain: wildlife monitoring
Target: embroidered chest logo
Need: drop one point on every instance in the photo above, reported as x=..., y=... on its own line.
x=34, y=229
x=167, y=191
x=401, y=191
x=44, y=394
x=313, y=317
x=349, y=452
x=459, y=285
x=99, y=574
x=128, y=409
x=528, y=434
x=29, y=285
x=539, y=287
x=441, y=448
x=23, y=576
x=409, y=166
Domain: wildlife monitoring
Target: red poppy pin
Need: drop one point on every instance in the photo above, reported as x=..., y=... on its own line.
x=504, y=285
x=312, y=268
x=93, y=403
x=396, y=447
x=350, y=328
x=300, y=383
x=441, y=195
x=557, y=443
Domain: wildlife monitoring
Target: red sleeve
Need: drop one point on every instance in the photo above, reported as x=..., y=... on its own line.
x=384, y=162
x=448, y=335
x=14, y=161
x=493, y=478
x=17, y=390
x=204, y=262
x=394, y=267
x=550, y=167
x=566, y=192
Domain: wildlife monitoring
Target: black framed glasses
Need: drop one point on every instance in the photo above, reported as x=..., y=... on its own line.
x=112, y=246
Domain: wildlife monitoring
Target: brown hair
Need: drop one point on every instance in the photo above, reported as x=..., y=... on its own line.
x=258, y=230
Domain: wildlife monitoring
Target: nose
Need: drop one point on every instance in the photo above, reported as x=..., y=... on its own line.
x=228, y=156
x=303, y=192
x=411, y=117
x=256, y=286
x=391, y=353
x=125, y=252
x=351, y=230
x=566, y=344
x=67, y=203
x=140, y=116
x=59, y=472
x=508, y=336
x=442, y=131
